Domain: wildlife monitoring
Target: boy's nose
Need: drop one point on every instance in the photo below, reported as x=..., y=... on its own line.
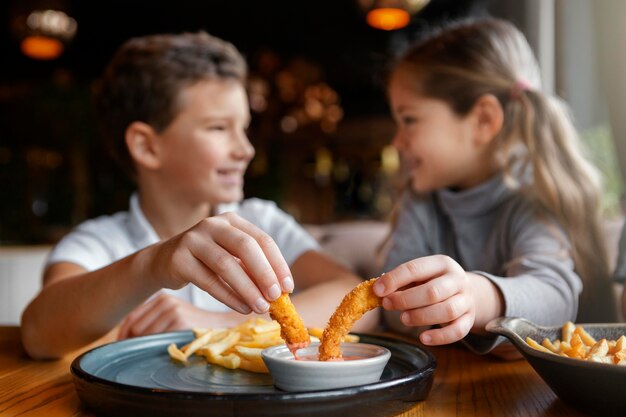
x=243, y=148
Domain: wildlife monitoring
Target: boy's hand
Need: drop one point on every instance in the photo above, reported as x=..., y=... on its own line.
x=430, y=290
x=228, y=257
x=165, y=313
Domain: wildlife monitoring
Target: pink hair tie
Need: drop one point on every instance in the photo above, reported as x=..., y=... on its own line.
x=519, y=87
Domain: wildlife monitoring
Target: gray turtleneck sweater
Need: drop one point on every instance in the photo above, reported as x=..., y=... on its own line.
x=493, y=231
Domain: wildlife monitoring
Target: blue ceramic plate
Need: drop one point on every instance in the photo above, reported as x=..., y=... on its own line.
x=136, y=377
x=598, y=388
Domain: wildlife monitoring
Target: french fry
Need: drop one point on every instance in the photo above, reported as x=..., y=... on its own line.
x=262, y=343
x=549, y=345
x=577, y=343
x=238, y=347
x=230, y=361
x=317, y=332
x=222, y=345
x=271, y=326
x=249, y=353
x=531, y=342
x=567, y=331
x=176, y=354
x=576, y=340
x=201, y=341
x=584, y=336
x=254, y=366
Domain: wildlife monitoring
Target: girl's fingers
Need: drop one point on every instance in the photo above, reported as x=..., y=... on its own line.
x=414, y=271
x=453, y=332
x=450, y=310
x=432, y=292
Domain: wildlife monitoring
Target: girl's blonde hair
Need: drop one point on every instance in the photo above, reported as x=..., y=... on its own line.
x=489, y=56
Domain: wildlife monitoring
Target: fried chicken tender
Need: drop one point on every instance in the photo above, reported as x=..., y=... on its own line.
x=356, y=303
x=292, y=328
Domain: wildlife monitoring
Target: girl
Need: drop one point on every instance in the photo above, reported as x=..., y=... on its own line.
x=620, y=270
x=502, y=216
x=175, y=111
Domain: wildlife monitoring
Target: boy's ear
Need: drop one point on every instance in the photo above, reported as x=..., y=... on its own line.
x=489, y=116
x=142, y=145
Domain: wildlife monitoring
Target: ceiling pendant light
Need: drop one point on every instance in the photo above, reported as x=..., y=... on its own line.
x=390, y=14
x=43, y=29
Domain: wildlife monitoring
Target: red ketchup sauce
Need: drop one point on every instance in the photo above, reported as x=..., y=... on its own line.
x=313, y=358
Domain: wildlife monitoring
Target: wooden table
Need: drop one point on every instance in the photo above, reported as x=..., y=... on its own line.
x=465, y=385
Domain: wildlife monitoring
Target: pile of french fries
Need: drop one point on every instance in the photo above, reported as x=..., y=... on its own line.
x=578, y=344
x=238, y=347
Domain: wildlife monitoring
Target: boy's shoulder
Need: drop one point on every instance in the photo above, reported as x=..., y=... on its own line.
x=105, y=223
x=252, y=207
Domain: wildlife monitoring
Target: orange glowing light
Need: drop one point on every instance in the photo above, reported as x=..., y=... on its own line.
x=388, y=18
x=41, y=47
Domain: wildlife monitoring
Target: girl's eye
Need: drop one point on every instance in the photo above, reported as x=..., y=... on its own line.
x=218, y=128
x=408, y=120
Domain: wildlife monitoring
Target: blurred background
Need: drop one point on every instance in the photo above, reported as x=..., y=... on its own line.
x=321, y=125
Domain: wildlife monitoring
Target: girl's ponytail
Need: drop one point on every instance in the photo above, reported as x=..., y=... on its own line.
x=568, y=186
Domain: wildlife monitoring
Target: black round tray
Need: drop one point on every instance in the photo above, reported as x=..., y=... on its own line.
x=136, y=377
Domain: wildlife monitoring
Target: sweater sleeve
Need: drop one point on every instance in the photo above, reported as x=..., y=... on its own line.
x=538, y=282
x=620, y=269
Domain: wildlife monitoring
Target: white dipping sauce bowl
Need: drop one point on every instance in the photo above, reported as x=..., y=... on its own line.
x=312, y=375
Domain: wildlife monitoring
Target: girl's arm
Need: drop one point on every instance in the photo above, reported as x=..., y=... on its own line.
x=435, y=290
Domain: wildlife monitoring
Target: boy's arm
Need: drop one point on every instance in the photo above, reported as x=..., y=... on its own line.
x=321, y=284
x=76, y=307
x=224, y=255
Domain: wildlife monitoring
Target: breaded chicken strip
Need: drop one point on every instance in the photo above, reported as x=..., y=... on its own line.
x=356, y=303
x=292, y=328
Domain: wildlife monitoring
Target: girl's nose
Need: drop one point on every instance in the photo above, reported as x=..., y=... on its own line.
x=396, y=141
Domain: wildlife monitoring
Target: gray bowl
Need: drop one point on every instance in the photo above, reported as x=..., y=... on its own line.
x=312, y=375
x=598, y=388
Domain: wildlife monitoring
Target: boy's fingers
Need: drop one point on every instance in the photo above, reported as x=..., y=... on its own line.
x=127, y=329
x=151, y=312
x=253, y=260
x=158, y=326
x=414, y=271
x=129, y=320
x=451, y=333
x=220, y=274
x=279, y=267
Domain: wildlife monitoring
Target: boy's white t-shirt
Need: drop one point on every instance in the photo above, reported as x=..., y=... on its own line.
x=101, y=241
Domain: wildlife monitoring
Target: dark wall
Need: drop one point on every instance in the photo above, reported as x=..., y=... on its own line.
x=54, y=172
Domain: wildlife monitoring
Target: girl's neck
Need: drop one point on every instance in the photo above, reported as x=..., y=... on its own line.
x=170, y=216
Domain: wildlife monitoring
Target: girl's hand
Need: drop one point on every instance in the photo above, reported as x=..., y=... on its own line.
x=165, y=313
x=228, y=257
x=433, y=290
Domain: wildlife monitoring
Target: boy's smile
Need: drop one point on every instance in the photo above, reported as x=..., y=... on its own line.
x=205, y=150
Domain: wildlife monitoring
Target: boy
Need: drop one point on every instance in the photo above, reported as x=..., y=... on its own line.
x=175, y=112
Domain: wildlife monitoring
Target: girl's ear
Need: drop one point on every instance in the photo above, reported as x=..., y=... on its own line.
x=143, y=145
x=489, y=117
